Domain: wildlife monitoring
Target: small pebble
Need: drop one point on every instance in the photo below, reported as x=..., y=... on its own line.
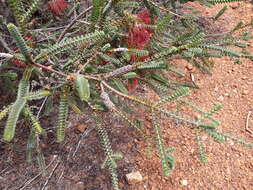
x=81, y=127
x=134, y=177
x=184, y=182
x=220, y=98
x=245, y=92
x=189, y=67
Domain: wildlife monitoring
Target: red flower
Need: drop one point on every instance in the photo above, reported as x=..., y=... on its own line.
x=138, y=37
x=144, y=16
x=18, y=63
x=57, y=6
x=132, y=84
x=29, y=37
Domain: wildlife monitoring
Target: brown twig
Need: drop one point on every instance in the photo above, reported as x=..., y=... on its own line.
x=72, y=23
x=84, y=134
x=146, y=102
x=247, y=124
x=87, y=62
x=56, y=165
x=35, y=177
x=164, y=9
x=4, y=44
x=50, y=69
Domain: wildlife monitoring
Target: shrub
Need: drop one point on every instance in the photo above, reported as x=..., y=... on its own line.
x=96, y=64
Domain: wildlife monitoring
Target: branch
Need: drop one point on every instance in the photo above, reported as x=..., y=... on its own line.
x=6, y=55
x=72, y=23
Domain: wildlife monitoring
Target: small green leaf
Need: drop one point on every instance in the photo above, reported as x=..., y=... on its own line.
x=117, y=156
x=37, y=94
x=120, y=86
x=129, y=75
x=83, y=87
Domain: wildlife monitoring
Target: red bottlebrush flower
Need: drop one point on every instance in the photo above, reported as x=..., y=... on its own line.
x=144, y=16
x=104, y=62
x=138, y=37
x=18, y=63
x=57, y=6
x=29, y=37
x=132, y=84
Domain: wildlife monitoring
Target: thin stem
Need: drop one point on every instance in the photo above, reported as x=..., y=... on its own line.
x=4, y=44
x=72, y=23
x=87, y=62
x=50, y=69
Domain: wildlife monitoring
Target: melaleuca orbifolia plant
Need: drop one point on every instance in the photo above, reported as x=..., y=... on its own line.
x=91, y=62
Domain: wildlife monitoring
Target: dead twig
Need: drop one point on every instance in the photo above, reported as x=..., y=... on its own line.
x=51, y=174
x=247, y=124
x=4, y=44
x=72, y=23
x=85, y=133
x=35, y=177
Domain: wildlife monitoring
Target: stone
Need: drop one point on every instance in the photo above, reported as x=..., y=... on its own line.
x=184, y=182
x=220, y=98
x=245, y=92
x=134, y=177
x=81, y=127
x=189, y=67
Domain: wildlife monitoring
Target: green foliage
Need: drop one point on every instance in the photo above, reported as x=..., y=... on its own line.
x=20, y=42
x=4, y=112
x=83, y=87
x=109, y=160
x=90, y=67
x=35, y=123
x=96, y=11
x=160, y=29
x=167, y=163
x=68, y=44
x=33, y=7
x=18, y=105
x=223, y=1
x=37, y=94
x=18, y=9
x=178, y=93
x=221, y=12
x=62, y=117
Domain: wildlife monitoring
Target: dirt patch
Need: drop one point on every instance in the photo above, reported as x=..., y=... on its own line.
x=76, y=163
x=230, y=165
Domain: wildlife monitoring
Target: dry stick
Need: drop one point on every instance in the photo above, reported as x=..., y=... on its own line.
x=148, y=104
x=4, y=44
x=79, y=142
x=56, y=165
x=72, y=23
x=164, y=9
x=49, y=69
x=43, y=103
x=247, y=124
x=61, y=175
x=35, y=177
x=88, y=62
x=6, y=55
x=62, y=74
